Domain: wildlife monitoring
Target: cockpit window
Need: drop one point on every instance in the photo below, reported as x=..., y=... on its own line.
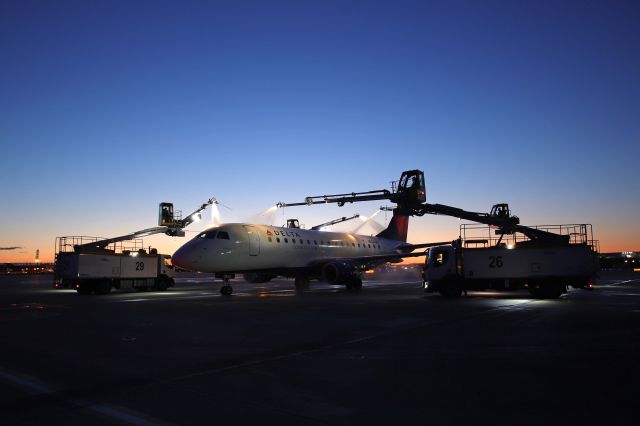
x=222, y=235
x=207, y=234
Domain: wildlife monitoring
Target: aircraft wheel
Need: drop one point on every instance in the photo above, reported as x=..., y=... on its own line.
x=354, y=284
x=302, y=283
x=226, y=290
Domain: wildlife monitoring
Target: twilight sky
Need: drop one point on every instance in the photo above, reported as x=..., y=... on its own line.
x=108, y=108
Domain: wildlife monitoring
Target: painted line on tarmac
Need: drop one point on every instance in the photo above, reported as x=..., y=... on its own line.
x=616, y=284
x=37, y=387
x=26, y=382
x=162, y=299
x=417, y=325
x=326, y=288
x=270, y=359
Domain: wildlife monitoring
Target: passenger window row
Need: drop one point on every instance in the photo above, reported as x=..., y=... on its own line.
x=223, y=235
x=322, y=243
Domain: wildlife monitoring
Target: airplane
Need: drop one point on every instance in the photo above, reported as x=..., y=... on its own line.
x=262, y=252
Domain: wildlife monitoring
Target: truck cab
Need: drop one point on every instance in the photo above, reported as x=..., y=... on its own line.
x=165, y=266
x=439, y=266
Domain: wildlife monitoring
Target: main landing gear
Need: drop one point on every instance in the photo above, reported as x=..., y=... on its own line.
x=226, y=289
x=354, y=283
x=302, y=283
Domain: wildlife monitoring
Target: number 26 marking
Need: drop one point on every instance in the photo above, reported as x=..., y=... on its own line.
x=495, y=262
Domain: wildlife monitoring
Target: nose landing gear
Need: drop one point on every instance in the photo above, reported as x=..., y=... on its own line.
x=226, y=289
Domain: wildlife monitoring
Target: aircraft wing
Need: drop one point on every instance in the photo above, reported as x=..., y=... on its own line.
x=373, y=260
x=423, y=245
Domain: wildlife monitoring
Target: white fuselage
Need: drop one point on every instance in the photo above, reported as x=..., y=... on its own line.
x=241, y=247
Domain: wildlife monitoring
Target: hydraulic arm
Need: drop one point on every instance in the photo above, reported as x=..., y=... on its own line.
x=335, y=221
x=169, y=225
x=410, y=196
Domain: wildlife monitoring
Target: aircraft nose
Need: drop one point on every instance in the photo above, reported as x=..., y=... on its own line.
x=184, y=257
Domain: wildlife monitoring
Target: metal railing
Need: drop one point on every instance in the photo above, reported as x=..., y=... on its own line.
x=475, y=235
x=67, y=244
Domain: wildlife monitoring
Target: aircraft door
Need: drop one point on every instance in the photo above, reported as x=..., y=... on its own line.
x=254, y=240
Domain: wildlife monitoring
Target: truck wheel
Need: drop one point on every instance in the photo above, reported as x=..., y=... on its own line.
x=451, y=289
x=162, y=283
x=546, y=291
x=84, y=288
x=553, y=291
x=584, y=285
x=536, y=290
x=103, y=287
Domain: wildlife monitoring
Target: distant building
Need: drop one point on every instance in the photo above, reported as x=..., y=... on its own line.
x=617, y=260
x=25, y=268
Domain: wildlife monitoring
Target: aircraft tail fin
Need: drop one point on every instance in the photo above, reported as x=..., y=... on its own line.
x=398, y=227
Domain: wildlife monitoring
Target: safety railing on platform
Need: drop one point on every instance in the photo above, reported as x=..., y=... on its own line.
x=68, y=244
x=481, y=236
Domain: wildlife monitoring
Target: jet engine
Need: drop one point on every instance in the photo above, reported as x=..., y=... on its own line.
x=339, y=272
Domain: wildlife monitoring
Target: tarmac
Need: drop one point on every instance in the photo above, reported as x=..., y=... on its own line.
x=390, y=354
